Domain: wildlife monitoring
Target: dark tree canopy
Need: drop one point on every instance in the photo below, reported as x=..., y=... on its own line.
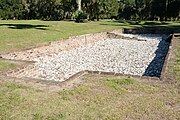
x=90, y=9
x=149, y=9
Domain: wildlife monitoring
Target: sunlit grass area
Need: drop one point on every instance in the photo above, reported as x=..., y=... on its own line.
x=97, y=97
x=6, y=65
x=17, y=34
x=177, y=64
x=25, y=34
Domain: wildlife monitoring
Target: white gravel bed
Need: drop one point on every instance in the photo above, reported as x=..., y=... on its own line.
x=109, y=55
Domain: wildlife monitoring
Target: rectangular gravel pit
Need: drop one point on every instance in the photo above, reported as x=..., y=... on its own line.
x=135, y=54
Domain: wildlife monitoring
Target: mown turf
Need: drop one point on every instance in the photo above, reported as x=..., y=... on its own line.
x=102, y=97
x=27, y=33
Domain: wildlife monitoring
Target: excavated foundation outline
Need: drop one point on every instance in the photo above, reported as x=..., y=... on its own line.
x=71, y=80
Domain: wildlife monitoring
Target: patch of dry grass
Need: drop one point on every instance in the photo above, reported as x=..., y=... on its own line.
x=98, y=97
x=177, y=64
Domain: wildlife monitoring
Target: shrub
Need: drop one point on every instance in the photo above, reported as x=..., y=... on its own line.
x=80, y=16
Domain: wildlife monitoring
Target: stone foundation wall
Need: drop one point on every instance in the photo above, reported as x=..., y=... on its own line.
x=81, y=40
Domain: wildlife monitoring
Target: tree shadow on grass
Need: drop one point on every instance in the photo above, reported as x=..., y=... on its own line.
x=174, y=28
x=125, y=22
x=148, y=24
x=112, y=24
x=155, y=23
x=25, y=26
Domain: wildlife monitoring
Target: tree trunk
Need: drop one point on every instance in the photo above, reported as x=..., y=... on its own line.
x=79, y=4
x=166, y=10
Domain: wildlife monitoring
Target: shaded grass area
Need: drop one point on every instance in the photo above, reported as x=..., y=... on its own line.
x=98, y=97
x=173, y=25
x=6, y=65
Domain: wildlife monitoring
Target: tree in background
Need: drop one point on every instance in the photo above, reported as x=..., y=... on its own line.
x=31, y=9
x=173, y=10
x=11, y=9
x=127, y=9
x=158, y=9
x=149, y=9
x=110, y=8
x=90, y=9
x=143, y=9
x=100, y=9
x=79, y=5
x=68, y=7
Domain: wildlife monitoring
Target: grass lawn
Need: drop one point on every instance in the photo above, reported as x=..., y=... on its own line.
x=25, y=34
x=97, y=97
x=16, y=34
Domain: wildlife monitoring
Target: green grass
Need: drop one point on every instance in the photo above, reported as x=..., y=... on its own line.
x=93, y=99
x=120, y=81
x=116, y=84
x=27, y=33
x=98, y=97
x=6, y=65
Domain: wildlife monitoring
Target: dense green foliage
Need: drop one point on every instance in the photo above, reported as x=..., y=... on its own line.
x=80, y=16
x=94, y=9
x=56, y=9
x=150, y=9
